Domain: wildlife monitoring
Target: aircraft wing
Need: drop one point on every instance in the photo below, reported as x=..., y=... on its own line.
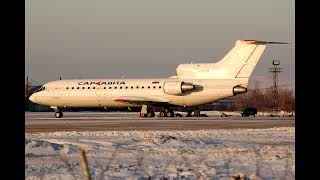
x=138, y=100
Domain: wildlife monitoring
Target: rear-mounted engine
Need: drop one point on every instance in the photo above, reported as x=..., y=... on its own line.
x=239, y=90
x=177, y=87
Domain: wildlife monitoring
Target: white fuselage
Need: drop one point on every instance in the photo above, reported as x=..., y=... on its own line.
x=88, y=93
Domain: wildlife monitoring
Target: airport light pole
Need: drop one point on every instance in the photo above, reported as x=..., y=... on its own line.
x=275, y=70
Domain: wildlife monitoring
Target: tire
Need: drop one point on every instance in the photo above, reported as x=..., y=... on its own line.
x=150, y=114
x=163, y=114
x=170, y=114
x=143, y=115
x=58, y=114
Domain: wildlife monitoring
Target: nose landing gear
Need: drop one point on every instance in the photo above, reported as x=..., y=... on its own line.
x=57, y=112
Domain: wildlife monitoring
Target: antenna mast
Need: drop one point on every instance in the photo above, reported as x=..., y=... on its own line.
x=275, y=70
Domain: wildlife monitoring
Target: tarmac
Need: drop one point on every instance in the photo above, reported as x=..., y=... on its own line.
x=129, y=121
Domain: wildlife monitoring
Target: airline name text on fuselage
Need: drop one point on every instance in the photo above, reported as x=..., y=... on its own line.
x=102, y=83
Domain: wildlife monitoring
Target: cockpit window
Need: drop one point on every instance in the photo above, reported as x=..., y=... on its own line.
x=42, y=88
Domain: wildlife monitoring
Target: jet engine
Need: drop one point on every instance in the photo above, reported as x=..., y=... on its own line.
x=239, y=90
x=177, y=87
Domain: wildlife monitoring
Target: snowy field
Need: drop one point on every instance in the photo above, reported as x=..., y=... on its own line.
x=202, y=154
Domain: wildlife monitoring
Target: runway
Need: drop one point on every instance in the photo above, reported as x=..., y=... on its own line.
x=113, y=121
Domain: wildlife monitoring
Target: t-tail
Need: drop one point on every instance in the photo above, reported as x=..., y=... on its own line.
x=238, y=63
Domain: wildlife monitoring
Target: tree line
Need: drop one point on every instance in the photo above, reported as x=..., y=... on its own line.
x=267, y=100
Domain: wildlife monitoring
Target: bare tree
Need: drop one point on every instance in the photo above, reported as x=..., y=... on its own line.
x=264, y=101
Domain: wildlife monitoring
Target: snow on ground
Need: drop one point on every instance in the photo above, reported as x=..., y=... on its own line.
x=217, y=154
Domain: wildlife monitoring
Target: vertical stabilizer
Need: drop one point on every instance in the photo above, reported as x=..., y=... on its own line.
x=241, y=59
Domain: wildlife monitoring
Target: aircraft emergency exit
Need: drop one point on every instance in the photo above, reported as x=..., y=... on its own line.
x=193, y=85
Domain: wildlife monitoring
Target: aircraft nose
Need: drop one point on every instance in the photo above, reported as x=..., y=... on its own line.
x=32, y=98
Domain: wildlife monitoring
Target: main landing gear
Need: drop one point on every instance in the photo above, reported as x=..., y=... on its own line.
x=167, y=112
x=147, y=111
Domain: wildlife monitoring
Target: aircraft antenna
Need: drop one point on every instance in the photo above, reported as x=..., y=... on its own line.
x=123, y=75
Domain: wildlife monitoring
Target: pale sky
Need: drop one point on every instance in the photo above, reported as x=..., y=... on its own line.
x=148, y=38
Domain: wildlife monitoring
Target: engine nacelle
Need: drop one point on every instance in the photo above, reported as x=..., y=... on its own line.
x=177, y=87
x=239, y=90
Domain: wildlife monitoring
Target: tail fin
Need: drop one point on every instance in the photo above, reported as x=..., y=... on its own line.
x=239, y=63
x=241, y=59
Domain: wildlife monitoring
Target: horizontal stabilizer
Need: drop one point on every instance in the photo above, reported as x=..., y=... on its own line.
x=262, y=42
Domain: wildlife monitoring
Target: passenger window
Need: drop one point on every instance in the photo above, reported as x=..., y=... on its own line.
x=88, y=87
x=67, y=88
x=77, y=87
x=126, y=87
x=72, y=88
x=148, y=87
x=120, y=87
x=154, y=87
x=159, y=87
x=94, y=88
x=110, y=87
x=104, y=88
x=115, y=87
x=137, y=87
x=131, y=87
x=142, y=87
x=82, y=87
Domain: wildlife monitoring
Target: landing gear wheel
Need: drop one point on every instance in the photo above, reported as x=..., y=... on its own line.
x=151, y=114
x=143, y=115
x=58, y=114
x=170, y=114
x=163, y=114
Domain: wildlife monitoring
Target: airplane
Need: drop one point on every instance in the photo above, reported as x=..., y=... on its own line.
x=193, y=85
